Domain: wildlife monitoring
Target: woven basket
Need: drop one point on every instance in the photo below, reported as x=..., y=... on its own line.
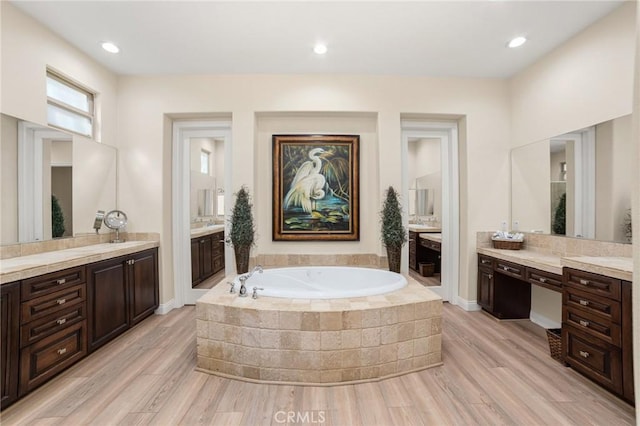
x=555, y=343
x=507, y=244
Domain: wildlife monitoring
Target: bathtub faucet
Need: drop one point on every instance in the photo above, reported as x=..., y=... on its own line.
x=243, y=279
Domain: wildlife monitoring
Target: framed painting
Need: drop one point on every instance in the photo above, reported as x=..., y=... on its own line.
x=316, y=187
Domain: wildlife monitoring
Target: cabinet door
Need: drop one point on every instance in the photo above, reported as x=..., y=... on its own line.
x=485, y=289
x=143, y=285
x=9, y=369
x=206, y=256
x=107, y=301
x=413, y=260
x=196, y=273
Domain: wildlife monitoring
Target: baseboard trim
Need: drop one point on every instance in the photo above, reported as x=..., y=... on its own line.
x=543, y=321
x=467, y=305
x=165, y=308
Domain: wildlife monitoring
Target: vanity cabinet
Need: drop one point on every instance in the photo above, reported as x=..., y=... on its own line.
x=503, y=290
x=9, y=346
x=413, y=255
x=430, y=253
x=485, y=283
x=596, y=329
x=53, y=325
x=207, y=256
x=122, y=292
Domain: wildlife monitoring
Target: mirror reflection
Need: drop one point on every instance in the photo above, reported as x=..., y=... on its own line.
x=207, y=181
x=52, y=182
x=425, y=177
x=576, y=184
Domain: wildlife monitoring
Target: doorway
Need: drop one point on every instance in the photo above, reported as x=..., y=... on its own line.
x=444, y=135
x=186, y=136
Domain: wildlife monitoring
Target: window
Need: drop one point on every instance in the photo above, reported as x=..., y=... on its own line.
x=204, y=162
x=69, y=106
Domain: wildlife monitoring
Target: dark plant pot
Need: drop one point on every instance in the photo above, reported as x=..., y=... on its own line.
x=242, y=259
x=393, y=257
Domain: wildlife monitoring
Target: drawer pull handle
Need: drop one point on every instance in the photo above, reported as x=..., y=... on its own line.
x=61, y=321
x=61, y=301
x=584, y=282
x=584, y=302
x=221, y=241
x=484, y=262
x=61, y=281
x=542, y=279
x=490, y=276
x=584, y=323
x=584, y=354
x=62, y=351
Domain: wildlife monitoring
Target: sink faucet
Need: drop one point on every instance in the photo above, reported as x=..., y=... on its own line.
x=243, y=279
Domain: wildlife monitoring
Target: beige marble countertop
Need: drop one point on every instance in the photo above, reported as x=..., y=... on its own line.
x=424, y=228
x=433, y=237
x=542, y=261
x=206, y=230
x=22, y=267
x=615, y=267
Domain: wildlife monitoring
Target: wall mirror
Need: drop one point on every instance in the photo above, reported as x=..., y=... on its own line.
x=425, y=178
x=576, y=184
x=206, y=181
x=52, y=182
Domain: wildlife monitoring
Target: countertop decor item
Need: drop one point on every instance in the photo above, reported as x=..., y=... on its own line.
x=116, y=220
x=507, y=240
x=242, y=230
x=393, y=234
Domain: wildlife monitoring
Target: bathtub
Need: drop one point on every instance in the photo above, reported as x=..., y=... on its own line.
x=324, y=282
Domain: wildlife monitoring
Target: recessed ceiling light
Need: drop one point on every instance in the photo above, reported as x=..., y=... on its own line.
x=320, y=48
x=517, y=42
x=110, y=47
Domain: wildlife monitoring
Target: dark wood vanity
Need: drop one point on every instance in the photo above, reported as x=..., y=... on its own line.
x=51, y=321
x=207, y=256
x=422, y=250
x=596, y=315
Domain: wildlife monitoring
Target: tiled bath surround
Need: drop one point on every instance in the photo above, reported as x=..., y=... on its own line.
x=364, y=260
x=318, y=341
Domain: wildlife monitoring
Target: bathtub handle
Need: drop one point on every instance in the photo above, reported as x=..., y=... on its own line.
x=232, y=286
x=243, y=288
x=255, y=292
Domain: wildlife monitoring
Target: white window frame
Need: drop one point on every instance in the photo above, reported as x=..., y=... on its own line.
x=71, y=109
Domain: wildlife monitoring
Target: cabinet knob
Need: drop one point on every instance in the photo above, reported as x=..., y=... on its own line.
x=584, y=282
x=61, y=281
x=490, y=276
x=484, y=261
x=584, y=302
x=584, y=323
x=542, y=279
x=61, y=321
x=62, y=351
x=61, y=301
x=584, y=354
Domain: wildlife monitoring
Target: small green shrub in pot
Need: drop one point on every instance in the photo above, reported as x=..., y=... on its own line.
x=393, y=234
x=242, y=230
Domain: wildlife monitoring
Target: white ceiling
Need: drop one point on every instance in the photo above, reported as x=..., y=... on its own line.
x=435, y=38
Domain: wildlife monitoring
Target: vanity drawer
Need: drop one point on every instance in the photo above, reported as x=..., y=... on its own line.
x=594, y=358
x=44, y=359
x=52, y=303
x=43, y=327
x=44, y=284
x=544, y=279
x=485, y=261
x=433, y=245
x=597, y=326
x=511, y=269
x=593, y=283
x=589, y=302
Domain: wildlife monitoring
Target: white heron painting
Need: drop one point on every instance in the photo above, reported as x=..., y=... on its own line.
x=315, y=180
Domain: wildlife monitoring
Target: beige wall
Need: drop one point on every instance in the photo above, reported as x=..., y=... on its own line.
x=251, y=99
x=585, y=81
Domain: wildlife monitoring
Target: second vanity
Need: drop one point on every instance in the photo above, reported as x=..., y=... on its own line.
x=207, y=252
x=596, y=306
x=60, y=306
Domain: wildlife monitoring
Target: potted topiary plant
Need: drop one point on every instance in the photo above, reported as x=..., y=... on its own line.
x=393, y=234
x=57, y=218
x=242, y=230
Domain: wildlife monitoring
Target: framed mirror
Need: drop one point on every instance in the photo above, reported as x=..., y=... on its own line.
x=576, y=184
x=52, y=182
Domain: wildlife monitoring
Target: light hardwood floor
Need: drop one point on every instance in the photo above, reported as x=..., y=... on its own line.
x=493, y=373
